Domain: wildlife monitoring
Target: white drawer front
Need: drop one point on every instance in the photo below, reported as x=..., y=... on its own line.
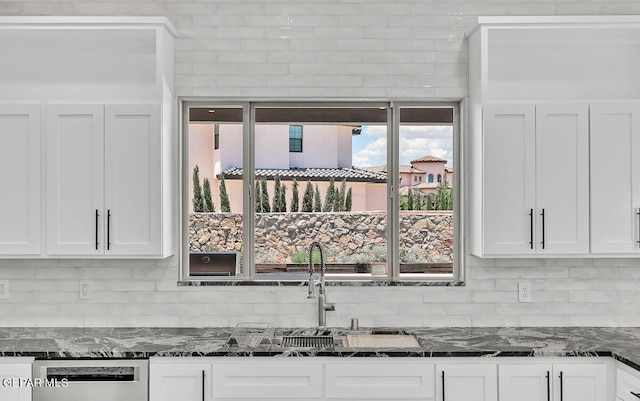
x=628, y=385
x=380, y=381
x=266, y=380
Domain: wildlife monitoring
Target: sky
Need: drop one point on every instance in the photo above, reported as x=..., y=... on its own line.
x=370, y=147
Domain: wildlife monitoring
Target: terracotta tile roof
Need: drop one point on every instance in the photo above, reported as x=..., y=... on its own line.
x=404, y=168
x=428, y=159
x=313, y=174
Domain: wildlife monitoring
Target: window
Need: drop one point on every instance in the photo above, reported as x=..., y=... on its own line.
x=439, y=178
x=430, y=178
x=216, y=136
x=270, y=204
x=295, y=138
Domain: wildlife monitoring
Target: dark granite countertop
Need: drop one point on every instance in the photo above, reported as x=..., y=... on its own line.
x=90, y=343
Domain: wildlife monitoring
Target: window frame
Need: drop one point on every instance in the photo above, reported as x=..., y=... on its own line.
x=300, y=140
x=393, y=209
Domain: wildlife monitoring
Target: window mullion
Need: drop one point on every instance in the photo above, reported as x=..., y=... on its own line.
x=248, y=165
x=393, y=182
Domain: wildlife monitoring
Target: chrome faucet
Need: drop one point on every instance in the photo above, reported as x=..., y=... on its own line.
x=323, y=306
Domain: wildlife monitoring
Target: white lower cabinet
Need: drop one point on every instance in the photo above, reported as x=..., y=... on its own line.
x=627, y=383
x=549, y=382
x=177, y=380
x=388, y=379
x=466, y=382
x=13, y=373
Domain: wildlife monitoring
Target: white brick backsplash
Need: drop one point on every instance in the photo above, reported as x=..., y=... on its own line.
x=250, y=49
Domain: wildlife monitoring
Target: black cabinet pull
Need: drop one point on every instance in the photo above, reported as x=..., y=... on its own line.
x=97, y=218
x=561, y=392
x=636, y=394
x=443, y=386
x=638, y=213
x=542, y=214
x=531, y=226
x=108, y=229
x=203, y=386
x=548, y=386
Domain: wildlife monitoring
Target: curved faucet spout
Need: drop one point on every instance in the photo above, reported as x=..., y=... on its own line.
x=323, y=305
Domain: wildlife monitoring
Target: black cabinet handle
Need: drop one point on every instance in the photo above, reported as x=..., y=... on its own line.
x=203, y=386
x=548, y=386
x=531, y=226
x=638, y=213
x=108, y=229
x=636, y=394
x=561, y=392
x=443, y=399
x=542, y=214
x=97, y=219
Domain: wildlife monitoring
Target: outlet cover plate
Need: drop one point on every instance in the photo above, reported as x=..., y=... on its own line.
x=85, y=290
x=4, y=289
x=524, y=292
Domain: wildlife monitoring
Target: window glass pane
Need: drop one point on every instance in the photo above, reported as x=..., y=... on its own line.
x=426, y=207
x=333, y=190
x=215, y=192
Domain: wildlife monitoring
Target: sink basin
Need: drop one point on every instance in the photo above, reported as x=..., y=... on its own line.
x=374, y=340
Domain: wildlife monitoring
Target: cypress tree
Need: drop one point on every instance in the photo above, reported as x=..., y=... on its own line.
x=265, y=197
x=198, y=202
x=295, y=201
x=225, y=206
x=208, y=202
x=307, y=199
x=283, y=198
x=275, y=206
x=317, y=204
x=348, y=200
x=410, y=199
x=257, y=195
x=339, y=204
x=330, y=196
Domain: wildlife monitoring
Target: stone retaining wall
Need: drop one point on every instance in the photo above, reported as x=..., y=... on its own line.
x=348, y=237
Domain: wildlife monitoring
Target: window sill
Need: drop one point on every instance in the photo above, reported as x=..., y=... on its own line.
x=333, y=283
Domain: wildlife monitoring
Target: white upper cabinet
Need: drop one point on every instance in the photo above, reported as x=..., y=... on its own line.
x=615, y=177
x=535, y=179
x=74, y=175
x=553, y=138
x=20, y=179
x=104, y=87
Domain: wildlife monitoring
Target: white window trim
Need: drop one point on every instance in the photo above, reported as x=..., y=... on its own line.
x=393, y=211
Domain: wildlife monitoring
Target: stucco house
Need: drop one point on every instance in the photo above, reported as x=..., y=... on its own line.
x=423, y=174
x=307, y=152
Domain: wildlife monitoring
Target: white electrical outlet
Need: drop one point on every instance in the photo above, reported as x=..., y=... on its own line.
x=524, y=292
x=85, y=290
x=4, y=289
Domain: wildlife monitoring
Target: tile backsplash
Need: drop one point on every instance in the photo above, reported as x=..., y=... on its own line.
x=413, y=49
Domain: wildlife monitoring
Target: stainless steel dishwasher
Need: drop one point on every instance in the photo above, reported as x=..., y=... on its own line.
x=94, y=380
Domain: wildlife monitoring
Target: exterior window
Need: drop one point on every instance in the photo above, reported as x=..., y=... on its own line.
x=295, y=138
x=254, y=209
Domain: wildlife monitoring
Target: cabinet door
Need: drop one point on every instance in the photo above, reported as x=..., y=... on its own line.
x=615, y=178
x=11, y=390
x=562, y=178
x=133, y=174
x=185, y=382
x=74, y=169
x=627, y=385
x=380, y=381
x=466, y=383
x=525, y=382
x=20, y=179
x=580, y=382
x=508, y=179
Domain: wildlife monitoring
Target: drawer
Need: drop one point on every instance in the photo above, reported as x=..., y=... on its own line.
x=627, y=385
x=393, y=381
x=266, y=380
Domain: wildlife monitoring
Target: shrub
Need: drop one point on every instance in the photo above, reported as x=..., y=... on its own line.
x=225, y=206
x=198, y=202
x=208, y=202
x=307, y=199
x=294, y=197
